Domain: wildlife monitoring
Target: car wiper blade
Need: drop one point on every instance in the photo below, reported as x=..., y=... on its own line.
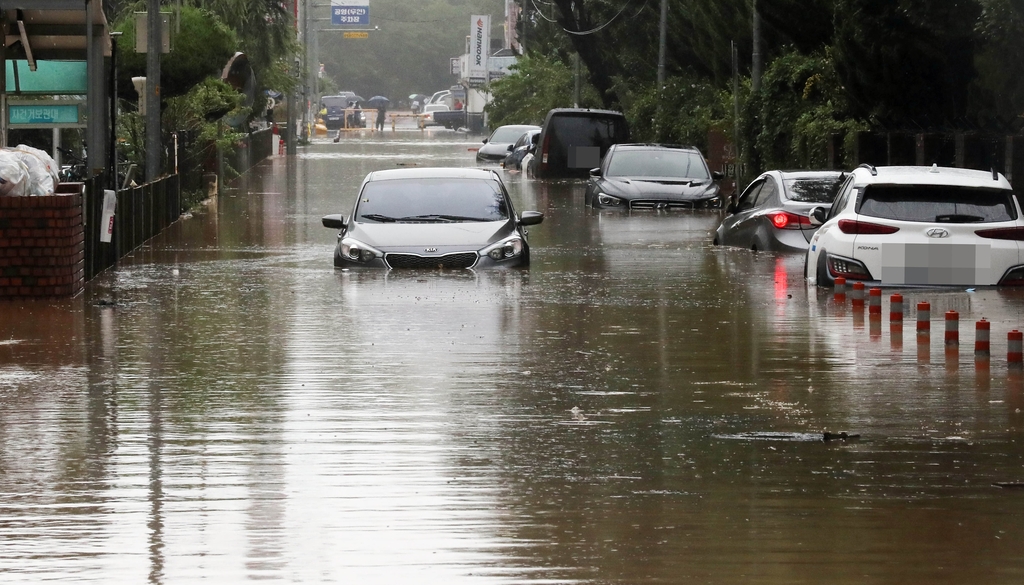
x=958, y=218
x=378, y=217
x=443, y=217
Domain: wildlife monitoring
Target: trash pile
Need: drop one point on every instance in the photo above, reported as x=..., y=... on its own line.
x=27, y=171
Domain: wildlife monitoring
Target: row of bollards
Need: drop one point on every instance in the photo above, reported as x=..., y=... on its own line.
x=982, y=331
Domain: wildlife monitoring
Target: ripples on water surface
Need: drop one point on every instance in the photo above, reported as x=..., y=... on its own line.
x=638, y=407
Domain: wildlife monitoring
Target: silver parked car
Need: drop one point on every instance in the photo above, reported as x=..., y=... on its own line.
x=432, y=218
x=772, y=212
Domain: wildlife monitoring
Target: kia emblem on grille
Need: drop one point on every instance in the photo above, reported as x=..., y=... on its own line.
x=430, y=249
x=937, y=233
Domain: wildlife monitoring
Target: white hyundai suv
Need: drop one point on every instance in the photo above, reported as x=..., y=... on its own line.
x=927, y=226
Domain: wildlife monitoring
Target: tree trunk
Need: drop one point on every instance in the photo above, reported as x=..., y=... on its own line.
x=600, y=67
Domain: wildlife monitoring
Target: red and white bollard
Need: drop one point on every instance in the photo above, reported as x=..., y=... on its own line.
x=839, y=291
x=982, y=332
x=875, y=303
x=896, y=308
x=1015, y=348
x=952, y=328
x=924, y=318
x=858, y=295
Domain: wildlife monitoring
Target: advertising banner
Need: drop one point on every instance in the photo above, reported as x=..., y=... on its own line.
x=350, y=12
x=479, y=46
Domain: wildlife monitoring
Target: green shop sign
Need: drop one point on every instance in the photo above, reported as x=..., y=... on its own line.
x=45, y=115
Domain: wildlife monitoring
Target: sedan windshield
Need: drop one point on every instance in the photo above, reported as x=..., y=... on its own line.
x=942, y=204
x=506, y=135
x=666, y=164
x=431, y=200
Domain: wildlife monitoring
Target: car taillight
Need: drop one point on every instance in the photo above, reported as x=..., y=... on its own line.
x=1013, y=277
x=847, y=268
x=1009, y=233
x=785, y=220
x=863, y=228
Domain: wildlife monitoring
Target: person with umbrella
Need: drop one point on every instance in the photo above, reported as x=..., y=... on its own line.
x=381, y=104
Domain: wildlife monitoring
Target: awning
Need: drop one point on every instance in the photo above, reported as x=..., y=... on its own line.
x=52, y=30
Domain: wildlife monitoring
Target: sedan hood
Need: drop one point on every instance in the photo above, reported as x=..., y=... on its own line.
x=441, y=238
x=669, y=189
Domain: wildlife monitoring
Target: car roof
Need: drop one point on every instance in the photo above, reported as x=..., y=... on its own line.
x=525, y=128
x=933, y=175
x=653, y=146
x=433, y=173
x=578, y=111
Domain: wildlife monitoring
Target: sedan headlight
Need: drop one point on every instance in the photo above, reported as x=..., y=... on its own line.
x=504, y=250
x=356, y=251
x=605, y=199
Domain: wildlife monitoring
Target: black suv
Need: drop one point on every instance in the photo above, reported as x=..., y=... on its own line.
x=573, y=141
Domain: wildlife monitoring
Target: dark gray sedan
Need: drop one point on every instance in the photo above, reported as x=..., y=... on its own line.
x=772, y=212
x=653, y=176
x=434, y=218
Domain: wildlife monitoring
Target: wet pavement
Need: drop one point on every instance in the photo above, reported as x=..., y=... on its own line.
x=637, y=407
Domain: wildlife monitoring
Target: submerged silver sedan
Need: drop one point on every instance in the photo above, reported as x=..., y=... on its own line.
x=433, y=218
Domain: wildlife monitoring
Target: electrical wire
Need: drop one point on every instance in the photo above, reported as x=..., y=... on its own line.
x=541, y=14
x=598, y=28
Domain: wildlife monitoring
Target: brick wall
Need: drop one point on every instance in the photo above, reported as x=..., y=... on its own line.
x=42, y=246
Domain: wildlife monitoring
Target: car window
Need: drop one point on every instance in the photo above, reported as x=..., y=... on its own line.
x=521, y=140
x=664, y=163
x=767, y=193
x=578, y=141
x=412, y=199
x=505, y=134
x=938, y=203
x=749, y=196
x=813, y=189
x=844, y=196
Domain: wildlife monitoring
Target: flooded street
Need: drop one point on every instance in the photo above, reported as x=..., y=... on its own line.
x=638, y=407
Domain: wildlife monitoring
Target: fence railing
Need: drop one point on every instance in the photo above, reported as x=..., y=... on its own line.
x=142, y=212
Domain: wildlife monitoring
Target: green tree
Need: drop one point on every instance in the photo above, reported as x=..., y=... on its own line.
x=906, y=63
x=200, y=49
x=537, y=84
x=997, y=95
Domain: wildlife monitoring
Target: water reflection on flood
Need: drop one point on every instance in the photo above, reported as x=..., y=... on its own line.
x=637, y=407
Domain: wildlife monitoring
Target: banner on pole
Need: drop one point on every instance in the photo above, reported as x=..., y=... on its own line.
x=479, y=46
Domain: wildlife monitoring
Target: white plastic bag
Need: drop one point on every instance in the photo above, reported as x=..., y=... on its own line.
x=13, y=174
x=42, y=170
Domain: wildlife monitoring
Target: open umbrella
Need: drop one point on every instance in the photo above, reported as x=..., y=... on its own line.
x=378, y=102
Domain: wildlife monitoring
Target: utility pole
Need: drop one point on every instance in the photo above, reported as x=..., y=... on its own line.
x=756, y=68
x=663, y=31
x=154, y=44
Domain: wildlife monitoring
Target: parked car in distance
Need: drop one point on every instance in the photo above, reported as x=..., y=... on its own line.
x=429, y=110
x=338, y=107
x=574, y=140
x=919, y=226
x=653, y=176
x=772, y=212
x=523, y=146
x=432, y=218
x=498, y=145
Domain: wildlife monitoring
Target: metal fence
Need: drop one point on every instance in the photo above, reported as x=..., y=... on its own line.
x=146, y=210
x=142, y=212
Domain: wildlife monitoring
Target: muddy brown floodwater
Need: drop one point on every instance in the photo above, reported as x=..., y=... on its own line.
x=637, y=407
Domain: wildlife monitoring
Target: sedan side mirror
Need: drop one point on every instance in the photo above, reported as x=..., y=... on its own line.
x=818, y=215
x=717, y=175
x=530, y=218
x=509, y=148
x=334, y=221
x=595, y=172
x=485, y=141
